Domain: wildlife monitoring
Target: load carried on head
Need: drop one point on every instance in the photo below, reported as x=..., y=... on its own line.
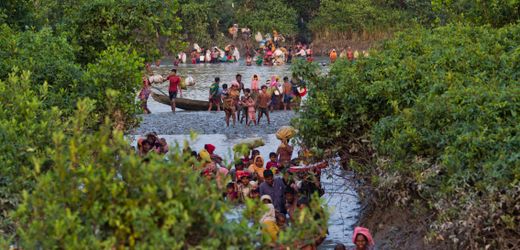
x=285, y=133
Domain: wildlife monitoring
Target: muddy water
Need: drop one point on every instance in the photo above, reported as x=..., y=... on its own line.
x=339, y=195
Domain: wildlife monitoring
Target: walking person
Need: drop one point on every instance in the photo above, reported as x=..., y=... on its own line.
x=214, y=95
x=263, y=101
x=175, y=81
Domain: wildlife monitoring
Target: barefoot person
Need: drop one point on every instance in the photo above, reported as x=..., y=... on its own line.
x=263, y=104
x=144, y=94
x=229, y=106
x=250, y=103
x=287, y=93
x=214, y=97
x=175, y=81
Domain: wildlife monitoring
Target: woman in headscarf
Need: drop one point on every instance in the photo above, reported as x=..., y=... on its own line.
x=257, y=168
x=268, y=220
x=362, y=238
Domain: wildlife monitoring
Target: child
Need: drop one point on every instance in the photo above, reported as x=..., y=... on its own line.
x=273, y=163
x=145, y=94
x=225, y=90
x=231, y=195
x=249, y=61
x=243, y=106
x=254, y=84
x=250, y=103
x=244, y=186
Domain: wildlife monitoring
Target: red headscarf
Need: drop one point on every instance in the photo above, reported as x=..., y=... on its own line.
x=210, y=148
x=365, y=232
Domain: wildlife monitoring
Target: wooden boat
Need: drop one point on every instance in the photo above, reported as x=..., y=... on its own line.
x=183, y=103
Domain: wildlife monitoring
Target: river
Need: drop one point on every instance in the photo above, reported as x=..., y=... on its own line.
x=340, y=197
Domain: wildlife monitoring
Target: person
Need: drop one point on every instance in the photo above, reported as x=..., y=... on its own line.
x=263, y=104
x=228, y=105
x=362, y=238
x=275, y=188
x=244, y=186
x=333, y=56
x=284, y=153
x=281, y=221
x=234, y=93
x=250, y=104
x=254, y=153
x=268, y=220
x=214, y=157
x=194, y=56
x=254, y=84
x=350, y=54
x=238, y=78
x=177, y=61
x=255, y=194
x=275, y=93
x=273, y=163
x=145, y=148
x=343, y=54
x=249, y=60
x=340, y=246
x=144, y=94
x=242, y=107
x=356, y=54
x=287, y=93
x=175, y=82
x=214, y=97
x=231, y=195
x=290, y=202
x=257, y=168
x=163, y=146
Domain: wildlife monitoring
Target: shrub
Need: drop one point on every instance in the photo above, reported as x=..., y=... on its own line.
x=100, y=194
x=113, y=81
x=26, y=127
x=432, y=115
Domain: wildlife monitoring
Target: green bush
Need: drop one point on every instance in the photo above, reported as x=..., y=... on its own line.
x=266, y=16
x=100, y=194
x=49, y=58
x=433, y=116
x=26, y=127
x=113, y=81
x=347, y=16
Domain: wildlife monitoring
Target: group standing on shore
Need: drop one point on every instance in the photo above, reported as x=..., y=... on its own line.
x=251, y=104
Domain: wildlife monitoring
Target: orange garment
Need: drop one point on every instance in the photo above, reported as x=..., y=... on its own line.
x=259, y=170
x=333, y=56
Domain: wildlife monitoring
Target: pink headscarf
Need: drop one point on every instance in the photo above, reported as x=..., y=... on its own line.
x=273, y=81
x=365, y=232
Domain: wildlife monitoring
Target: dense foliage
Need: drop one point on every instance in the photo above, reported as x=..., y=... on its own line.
x=26, y=127
x=100, y=195
x=354, y=17
x=434, y=116
x=266, y=16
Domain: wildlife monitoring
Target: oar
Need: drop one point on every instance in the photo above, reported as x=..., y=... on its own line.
x=160, y=90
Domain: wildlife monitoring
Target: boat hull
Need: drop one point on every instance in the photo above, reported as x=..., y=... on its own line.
x=183, y=103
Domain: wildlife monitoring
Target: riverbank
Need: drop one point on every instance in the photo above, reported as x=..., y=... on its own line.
x=168, y=123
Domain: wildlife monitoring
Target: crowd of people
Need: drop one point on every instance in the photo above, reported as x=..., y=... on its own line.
x=272, y=182
x=251, y=104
